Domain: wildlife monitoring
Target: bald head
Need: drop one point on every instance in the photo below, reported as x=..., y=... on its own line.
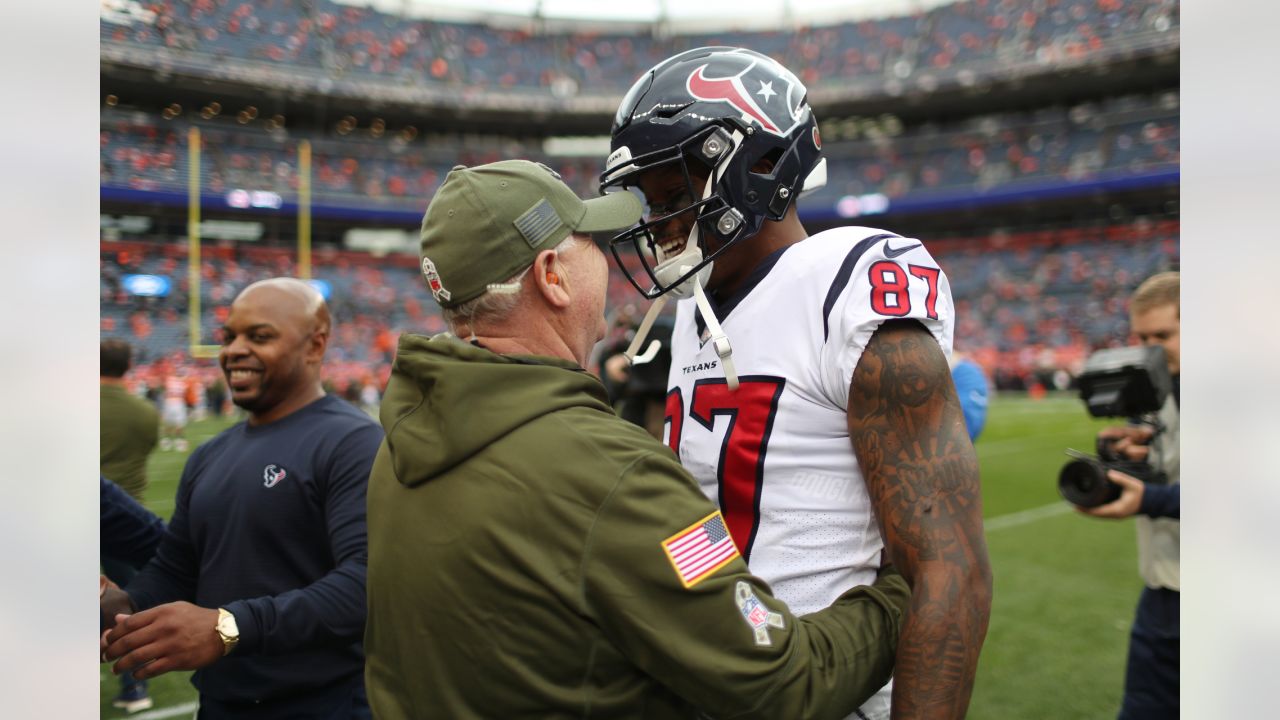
x=273, y=345
x=293, y=297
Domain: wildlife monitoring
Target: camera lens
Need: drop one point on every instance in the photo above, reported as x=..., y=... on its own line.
x=1084, y=482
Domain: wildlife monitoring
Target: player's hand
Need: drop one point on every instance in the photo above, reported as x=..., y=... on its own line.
x=1131, y=491
x=112, y=601
x=175, y=636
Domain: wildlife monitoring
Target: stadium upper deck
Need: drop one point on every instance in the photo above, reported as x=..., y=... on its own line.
x=1124, y=138
x=348, y=51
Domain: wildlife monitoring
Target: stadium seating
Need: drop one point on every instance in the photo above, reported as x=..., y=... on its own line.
x=342, y=41
x=1027, y=303
x=1126, y=135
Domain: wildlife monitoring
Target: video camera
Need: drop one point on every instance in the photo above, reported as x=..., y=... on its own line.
x=1130, y=382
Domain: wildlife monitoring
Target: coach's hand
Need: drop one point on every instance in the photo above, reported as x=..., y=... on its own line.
x=175, y=636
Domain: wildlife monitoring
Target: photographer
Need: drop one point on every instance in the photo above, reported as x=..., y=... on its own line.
x=638, y=391
x=1151, y=677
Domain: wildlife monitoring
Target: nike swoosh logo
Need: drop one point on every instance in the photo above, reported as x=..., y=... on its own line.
x=891, y=253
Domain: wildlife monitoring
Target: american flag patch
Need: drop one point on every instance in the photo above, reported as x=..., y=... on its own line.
x=538, y=222
x=700, y=549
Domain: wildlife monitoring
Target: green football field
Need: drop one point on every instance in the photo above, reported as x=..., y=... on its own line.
x=1065, y=585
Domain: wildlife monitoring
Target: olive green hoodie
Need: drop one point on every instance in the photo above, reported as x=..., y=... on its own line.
x=519, y=565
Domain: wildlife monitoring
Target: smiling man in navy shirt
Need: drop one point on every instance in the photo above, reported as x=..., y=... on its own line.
x=259, y=582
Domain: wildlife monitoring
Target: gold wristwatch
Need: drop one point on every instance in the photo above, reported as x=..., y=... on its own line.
x=227, y=630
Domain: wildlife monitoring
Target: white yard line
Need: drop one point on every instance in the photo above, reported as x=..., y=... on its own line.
x=1022, y=517
x=188, y=708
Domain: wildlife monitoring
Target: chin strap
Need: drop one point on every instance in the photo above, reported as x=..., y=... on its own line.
x=649, y=354
x=643, y=331
x=718, y=339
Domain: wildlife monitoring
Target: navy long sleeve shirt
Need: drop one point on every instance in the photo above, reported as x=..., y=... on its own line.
x=1161, y=501
x=269, y=523
x=128, y=532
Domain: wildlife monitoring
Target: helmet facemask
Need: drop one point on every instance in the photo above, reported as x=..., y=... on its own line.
x=669, y=263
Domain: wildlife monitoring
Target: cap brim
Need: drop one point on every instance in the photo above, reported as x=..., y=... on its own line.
x=614, y=211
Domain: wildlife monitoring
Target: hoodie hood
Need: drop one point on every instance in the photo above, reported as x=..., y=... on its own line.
x=448, y=399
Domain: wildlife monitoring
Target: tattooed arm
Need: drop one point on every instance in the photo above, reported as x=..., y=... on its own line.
x=909, y=436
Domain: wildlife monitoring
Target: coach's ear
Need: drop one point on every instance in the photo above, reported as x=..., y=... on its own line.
x=549, y=278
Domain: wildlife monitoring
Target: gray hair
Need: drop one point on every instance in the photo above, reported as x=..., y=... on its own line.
x=497, y=302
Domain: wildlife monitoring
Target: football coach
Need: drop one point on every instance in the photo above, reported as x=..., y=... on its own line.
x=531, y=554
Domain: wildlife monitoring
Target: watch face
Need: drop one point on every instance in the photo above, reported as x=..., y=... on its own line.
x=227, y=626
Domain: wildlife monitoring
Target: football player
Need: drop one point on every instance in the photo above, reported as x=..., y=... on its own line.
x=809, y=390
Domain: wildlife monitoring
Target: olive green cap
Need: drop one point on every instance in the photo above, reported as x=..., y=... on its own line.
x=487, y=223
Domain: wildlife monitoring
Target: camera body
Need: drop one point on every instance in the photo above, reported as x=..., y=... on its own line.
x=1130, y=382
x=1083, y=480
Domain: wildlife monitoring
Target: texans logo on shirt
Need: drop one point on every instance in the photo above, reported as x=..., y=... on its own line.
x=272, y=475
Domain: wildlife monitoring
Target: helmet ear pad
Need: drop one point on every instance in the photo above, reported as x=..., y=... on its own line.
x=771, y=184
x=767, y=185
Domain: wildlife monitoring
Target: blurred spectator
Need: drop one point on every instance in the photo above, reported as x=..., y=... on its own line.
x=128, y=428
x=128, y=425
x=972, y=389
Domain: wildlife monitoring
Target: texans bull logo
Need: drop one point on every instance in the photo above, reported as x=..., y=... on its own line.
x=752, y=93
x=272, y=474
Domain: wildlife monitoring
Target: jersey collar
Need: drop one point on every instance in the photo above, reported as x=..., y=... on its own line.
x=724, y=306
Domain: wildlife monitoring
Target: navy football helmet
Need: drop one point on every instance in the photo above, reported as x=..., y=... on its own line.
x=714, y=113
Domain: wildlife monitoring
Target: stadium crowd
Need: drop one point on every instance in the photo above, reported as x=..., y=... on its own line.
x=1126, y=135
x=346, y=41
x=1030, y=306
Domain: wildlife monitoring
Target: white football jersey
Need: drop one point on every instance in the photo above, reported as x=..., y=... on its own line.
x=775, y=455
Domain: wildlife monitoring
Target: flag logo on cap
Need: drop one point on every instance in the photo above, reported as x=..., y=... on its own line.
x=538, y=223
x=433, y=281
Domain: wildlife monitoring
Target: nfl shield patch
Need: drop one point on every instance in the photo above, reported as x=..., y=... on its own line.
x=759, y=617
